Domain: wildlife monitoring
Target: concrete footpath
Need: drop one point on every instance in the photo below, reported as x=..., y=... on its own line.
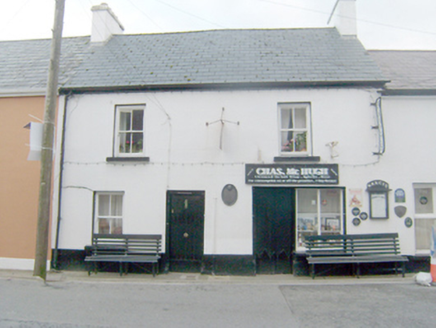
x=74, y=299
x=175, y=277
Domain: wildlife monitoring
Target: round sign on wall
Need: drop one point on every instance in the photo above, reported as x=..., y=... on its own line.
x=356, y=221
x=355, y=211
x=408, y=222
x=229, y=194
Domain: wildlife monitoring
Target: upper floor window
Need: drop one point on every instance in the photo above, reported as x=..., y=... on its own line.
x=129, y=130
x=294, y=128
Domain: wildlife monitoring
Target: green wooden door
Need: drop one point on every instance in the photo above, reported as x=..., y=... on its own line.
x=185, y=230
x=273, y=229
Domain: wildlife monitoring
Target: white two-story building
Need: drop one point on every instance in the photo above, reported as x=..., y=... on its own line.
x=234, y=145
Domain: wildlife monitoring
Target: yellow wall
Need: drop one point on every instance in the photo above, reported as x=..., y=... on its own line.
x=19, y=178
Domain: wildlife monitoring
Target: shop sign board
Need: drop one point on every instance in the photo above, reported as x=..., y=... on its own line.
x=286, y=174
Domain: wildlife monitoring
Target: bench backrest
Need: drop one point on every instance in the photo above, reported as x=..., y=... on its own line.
x=118, y=244
x=353, y=245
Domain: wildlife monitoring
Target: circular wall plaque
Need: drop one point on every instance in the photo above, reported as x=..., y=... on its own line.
x=356, y=221
x=229, y=194
x=355, y=211
x=408, y=222
x=363, y=216
x=423, y=200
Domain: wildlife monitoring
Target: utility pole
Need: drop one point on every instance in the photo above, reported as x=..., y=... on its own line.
x=42, y=233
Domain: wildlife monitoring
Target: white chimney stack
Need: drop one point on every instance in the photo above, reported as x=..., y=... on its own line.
x=104, y=23
x=344, y=17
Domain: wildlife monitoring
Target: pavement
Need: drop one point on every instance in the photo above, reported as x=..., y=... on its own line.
x=197, y=278
x=105, y=300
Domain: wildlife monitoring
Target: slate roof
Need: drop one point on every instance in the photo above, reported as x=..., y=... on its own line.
x=199, y=59
x=409, y=71
x=24, y=64
x=280, y=56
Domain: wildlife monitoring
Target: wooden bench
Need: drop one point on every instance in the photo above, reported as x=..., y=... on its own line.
x=355, y=249
x=125, y=249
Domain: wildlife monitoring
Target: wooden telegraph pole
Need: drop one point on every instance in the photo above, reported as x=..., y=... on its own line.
x=42, y=233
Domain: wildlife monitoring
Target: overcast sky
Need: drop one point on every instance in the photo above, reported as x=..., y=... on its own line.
x=381, y=24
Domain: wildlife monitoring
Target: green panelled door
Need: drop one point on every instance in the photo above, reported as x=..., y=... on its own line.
x=185, y=230
x=273, y=229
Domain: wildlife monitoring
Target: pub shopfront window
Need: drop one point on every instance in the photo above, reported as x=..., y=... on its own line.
x=319, y=212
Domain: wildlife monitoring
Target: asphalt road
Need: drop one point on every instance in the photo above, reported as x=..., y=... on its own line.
x=31, y=303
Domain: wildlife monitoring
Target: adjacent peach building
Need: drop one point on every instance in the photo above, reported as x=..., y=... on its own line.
x=19, y=182
x=23, y=78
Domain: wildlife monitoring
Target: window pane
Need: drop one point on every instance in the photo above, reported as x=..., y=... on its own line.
x=423, y=233
x=125, y=121
x=423, y=201
x=300, y=141
x=330, y=201
x=117, y=205
x=307, y=201
x=125, y=142
x=331, y=225
x=103, y=205
x=137, y=142
x=103, y=226
x=300, y=118
x=138, y=120
x=286, y=118
x=287, y=141
x=117, y=226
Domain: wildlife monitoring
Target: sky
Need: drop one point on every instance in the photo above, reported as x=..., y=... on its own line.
x=381, y=24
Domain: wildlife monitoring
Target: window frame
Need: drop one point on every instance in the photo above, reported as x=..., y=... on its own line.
x=425, y=216
x=97, y=216
x=295, y=130
x=117, y=131
x=320, y=216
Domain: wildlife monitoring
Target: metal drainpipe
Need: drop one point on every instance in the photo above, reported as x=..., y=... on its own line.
x=61, y=169
x=380, y=126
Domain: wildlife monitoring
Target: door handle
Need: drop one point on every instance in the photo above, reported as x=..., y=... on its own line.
x=186, y=235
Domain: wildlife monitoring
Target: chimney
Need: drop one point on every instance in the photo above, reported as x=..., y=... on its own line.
x=344, y=17
x=104, y=23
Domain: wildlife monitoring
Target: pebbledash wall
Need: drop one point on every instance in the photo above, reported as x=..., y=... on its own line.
x=186, y=154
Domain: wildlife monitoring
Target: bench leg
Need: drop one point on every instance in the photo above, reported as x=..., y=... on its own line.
x=358, y=270
x=403, y=268
x=154, y=269
x=312, y=269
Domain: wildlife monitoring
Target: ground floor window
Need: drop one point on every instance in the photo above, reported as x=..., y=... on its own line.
x=109, y=213
x=425, y=215
x=319, y=212
x=423, y=234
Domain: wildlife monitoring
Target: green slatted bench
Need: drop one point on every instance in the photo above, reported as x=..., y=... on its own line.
x=355, y=249
x=125, y=249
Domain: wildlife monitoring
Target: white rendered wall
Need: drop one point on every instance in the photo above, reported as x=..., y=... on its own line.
x=185, y=155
